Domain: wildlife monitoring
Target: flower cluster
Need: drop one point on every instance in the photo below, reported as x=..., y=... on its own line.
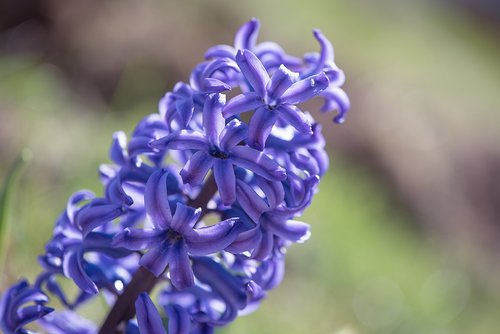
x=200, y=202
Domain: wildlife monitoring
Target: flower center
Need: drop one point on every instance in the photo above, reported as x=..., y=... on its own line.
x=216, y=153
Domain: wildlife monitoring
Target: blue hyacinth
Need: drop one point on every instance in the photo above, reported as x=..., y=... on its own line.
x=254, y=162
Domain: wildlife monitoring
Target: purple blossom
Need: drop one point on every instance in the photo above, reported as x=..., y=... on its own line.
x=272, y=98
x=218, y=149
x=207, y=203
x=21, y=305
x=174, y=238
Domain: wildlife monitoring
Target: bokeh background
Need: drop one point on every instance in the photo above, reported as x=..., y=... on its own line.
x=406, y=228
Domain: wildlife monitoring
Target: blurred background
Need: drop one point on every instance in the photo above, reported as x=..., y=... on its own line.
x=406, y=228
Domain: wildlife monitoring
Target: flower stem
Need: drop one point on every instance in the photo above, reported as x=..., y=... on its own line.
x=143, y=280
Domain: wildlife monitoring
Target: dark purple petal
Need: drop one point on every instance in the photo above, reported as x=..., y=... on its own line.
x=156, y=259
x=250, y=202
x=178, y=319
x=296, y=118
x=213, y=122
x=116, y=194
x=221, y=281
x=265, y=247
x=241, y=103
x=29, y=314
x=245, y=241
x=96, y=214
x=246, y=36
x=290, y=230
x=260, y=127
x=185, y=217
x=118, y=149
x=196, y=168
x=102, y=243
x=156, y=199
x=253, y=71
x=305, y=162
x=139, y=145
x=336, y=99
x=305, y=89
x=212, y=85
x=326, y=55
x=232, y=134
x=138, y=239
x=73, y=268
x=274, y=191
x=281, y=80
x=225, y=180
x=67, y=322
x=148, y=318
x=212, y=239
x=272, y=55
x=220, y=51
x=271, y=272
x=322, y=160
x=257, y=162
x=72, y=206
x=220, y=64
x=181, y=140
x=181, y=273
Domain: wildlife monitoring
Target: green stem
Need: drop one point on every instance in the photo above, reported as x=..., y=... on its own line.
x=6, y=194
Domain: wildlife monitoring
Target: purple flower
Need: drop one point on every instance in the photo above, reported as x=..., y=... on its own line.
x=272, y=98
x=14, y=311
x=218, y=149
x=215, y=244
x=148, y=318
x=174, y=238
x=271, y=54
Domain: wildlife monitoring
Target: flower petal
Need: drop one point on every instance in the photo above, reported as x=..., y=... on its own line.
x=73, y=268
x=221, y=281
x=181, y=140
x=138, y=239
x=97, y=213
x=247, y=35
x=296, y=118
x=212, y=239
x=156, y=259
x=196, y=168
x=245, y=241
x=185, y=217
x=220, y=51
x=291, y=230
x=241, y=103
x=250, y=202
x=225, y=180
x=232, y=134
x=181, y=273
x=265, y=247
x=281, y=80
x=156, y=199
x=260, y=127
x=305, y=89
x=213, y=122
x=253, y=71
x=178, y=319
x=274, y=191
x=148, y=318
x=257, y=162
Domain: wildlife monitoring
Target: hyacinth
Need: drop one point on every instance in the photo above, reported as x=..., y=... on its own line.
x=250, y=162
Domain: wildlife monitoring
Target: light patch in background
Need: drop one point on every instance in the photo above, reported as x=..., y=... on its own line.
x=444, y=295
x=379, y=303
